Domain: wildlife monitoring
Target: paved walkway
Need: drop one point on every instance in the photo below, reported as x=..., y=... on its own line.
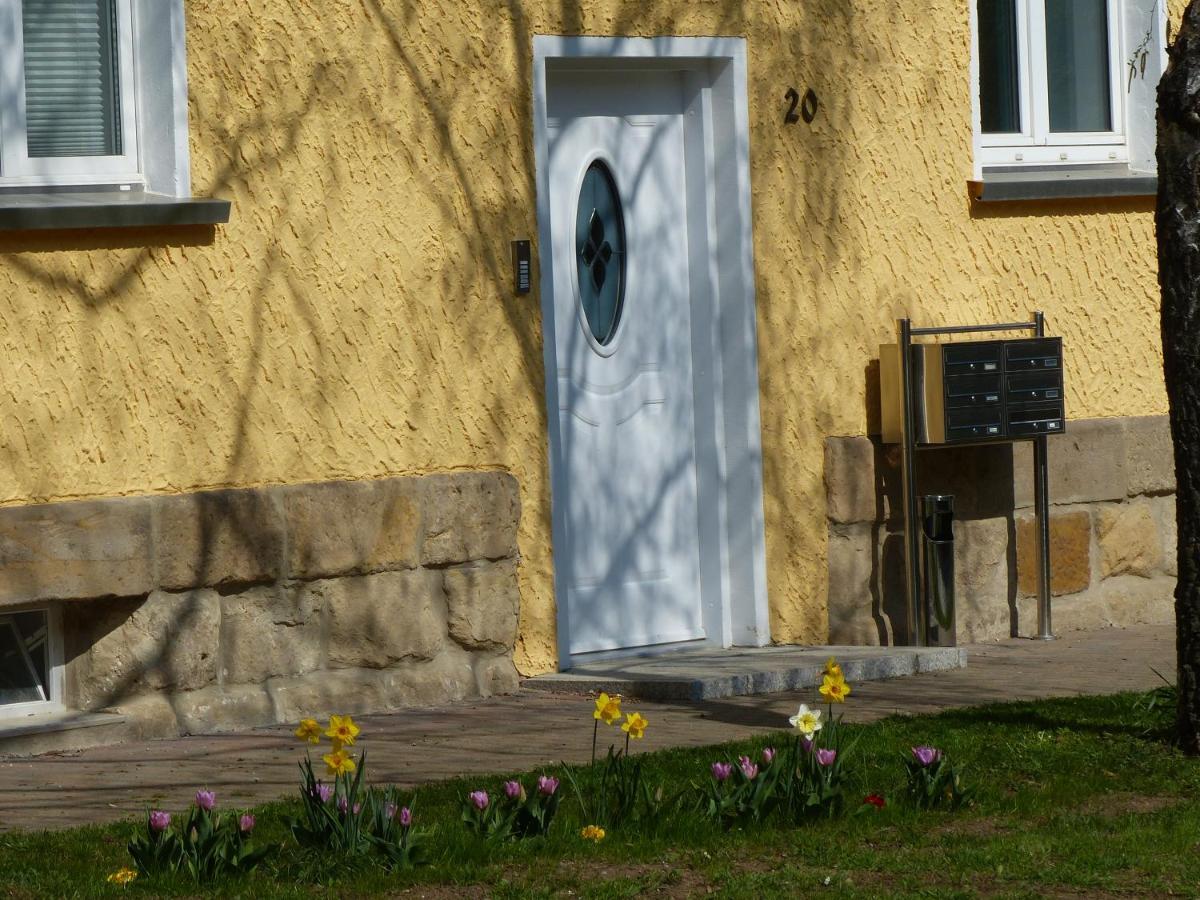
x=536, y=728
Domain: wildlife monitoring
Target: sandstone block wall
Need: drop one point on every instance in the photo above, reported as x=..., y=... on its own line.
x=1112, y=532
x=230, y=609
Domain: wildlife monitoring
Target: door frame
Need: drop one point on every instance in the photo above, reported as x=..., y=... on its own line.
x=731, y=530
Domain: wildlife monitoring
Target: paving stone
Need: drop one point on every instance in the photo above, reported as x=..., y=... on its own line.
x=1149, y=455
x=469, y=516
x=352, y=527
x=213, y=538
x=1070, y=553
x=1128, y=540
x=76, y=550
x=707, y=675
x=270, y=630
x=483, y=600
x=535, y=728
x=228, y=708
x=166, y=642
x=378, y=620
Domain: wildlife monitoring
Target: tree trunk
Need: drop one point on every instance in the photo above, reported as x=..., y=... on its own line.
x=1178, y=224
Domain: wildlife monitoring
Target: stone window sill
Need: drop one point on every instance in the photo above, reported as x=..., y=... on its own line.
x=1048, y=183
x=106, y=209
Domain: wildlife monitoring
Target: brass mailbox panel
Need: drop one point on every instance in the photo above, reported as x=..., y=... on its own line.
x=975, y=391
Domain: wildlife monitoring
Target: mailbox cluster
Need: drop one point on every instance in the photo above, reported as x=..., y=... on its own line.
x=966, y=391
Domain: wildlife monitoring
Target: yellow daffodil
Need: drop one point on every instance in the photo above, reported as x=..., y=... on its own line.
x=832, y=668
x=343, y=730
x=592, y=833
x=608, y=709
x=635, y=725
x=122, y=877
x=807, y=721
x=835, y=690
x=309, y=731
x=339, y=762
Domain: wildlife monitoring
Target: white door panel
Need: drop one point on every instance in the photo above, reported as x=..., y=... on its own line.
x=627, y=448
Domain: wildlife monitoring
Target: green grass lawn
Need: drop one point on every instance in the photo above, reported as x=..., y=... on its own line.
x=1076, y=797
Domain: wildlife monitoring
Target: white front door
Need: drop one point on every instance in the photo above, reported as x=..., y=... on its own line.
x=622, y=307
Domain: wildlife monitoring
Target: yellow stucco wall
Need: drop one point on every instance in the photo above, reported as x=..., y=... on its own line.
x=355, y=318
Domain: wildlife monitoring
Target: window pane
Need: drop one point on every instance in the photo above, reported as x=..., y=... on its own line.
x=71, y=100
x=999, y=84
x=23, y=663
x=1077, y=65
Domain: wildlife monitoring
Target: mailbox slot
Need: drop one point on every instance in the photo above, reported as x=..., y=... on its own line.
x=1035, y=386
x=971, y=358
x=972, y=390
x=1039, y=353
x=1034, y=419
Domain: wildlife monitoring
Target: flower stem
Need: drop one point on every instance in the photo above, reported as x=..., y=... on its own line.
x=627, y=744
x=595, y=729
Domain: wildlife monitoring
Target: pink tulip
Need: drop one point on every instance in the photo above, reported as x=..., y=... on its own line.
x=342, y=804
x=749, y=769
x=405, y=817
x=547, y=785
x=826, y=757
x=246, y=823
x=926, y=756
x=480, y=799
x=206, y=800
x=389, y=810
x=721, y=771
x=324, y=791
x=768, y=755
x=513, y=790
x=159, y=820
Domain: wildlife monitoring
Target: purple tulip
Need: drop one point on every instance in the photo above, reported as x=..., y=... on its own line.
x=721, y=771
x=768, y=755
x=547, y=785
x=826, y=757
x=513, y=790
x=926, y=756
x=389, y=810
x=159, y=820
x=480, y=799
x=246, y=823
x=324, y=791
x=749, y=769
x=342, y=804
x=405, y=817
x=206, y=800
x=807, y=744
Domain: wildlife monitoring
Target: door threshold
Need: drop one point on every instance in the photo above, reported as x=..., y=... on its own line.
x=710, y=674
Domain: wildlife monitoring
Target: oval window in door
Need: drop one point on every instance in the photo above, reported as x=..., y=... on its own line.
x=600, y=252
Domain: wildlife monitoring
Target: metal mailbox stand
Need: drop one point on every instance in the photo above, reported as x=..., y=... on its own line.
x=905, y=332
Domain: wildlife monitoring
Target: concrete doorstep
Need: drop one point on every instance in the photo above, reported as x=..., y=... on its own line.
x=696, y=675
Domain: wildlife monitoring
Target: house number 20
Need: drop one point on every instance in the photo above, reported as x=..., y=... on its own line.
x=807, y=105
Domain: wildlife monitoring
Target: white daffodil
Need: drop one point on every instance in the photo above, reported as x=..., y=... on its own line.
x=807, y=721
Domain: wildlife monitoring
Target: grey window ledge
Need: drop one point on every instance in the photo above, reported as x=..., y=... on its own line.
x=106, y=209
x=1063, y=184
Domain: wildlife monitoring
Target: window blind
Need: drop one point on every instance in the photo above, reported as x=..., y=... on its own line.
x=72, y=102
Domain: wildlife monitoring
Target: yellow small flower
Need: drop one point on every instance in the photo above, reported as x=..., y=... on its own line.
x=607, y=708
x=122, y=877
x=309, y=731
x=342, y=729
x=635, y=725
x=835, y=690
x=339, y=762
x=592, y=833
x=832, y=668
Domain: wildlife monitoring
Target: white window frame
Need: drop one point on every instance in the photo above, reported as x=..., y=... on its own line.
x=54, y=668
x=1036, y=144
